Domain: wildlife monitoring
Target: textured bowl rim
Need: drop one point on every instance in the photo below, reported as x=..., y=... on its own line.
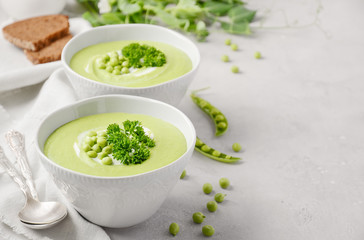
x=83, y=101
x=101, y=28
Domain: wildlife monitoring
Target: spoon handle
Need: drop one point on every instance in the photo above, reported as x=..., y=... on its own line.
x=9, y=167
x=16, y=142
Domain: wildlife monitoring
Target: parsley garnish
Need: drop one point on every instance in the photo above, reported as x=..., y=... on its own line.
x=143, y=56
x=129, y=145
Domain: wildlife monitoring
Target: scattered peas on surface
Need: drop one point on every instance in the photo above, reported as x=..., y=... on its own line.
x=235, y=69
x=183, y=174
x=228, y=41
x=208, y=230
x=236, y=147
x=211, y=206
x=173, y=229
x=215, y=114
x=234, y=47
x=209, y=152
x=198, y=217
x=207, y=188
x=219, y=197
x=225, y=58
x=224, y=182
x=257, y=55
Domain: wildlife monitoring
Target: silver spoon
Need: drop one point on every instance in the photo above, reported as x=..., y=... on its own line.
x=34, y=214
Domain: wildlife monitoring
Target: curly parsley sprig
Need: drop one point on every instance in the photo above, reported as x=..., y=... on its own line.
x=131, y=144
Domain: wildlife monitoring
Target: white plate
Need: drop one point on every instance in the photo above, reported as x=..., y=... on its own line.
x=17, y=71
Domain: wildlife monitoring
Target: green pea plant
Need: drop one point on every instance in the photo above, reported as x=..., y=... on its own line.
x=189, y=16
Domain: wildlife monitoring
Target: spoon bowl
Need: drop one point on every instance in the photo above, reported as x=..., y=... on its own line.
x=35, y=212
x=43, y=226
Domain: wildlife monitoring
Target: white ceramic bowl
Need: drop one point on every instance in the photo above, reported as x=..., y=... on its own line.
x=22, y=9
x=116, y=201
x=170, y=92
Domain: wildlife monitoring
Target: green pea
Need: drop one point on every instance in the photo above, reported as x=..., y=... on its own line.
x=116, y=72
x=89, y=141
x=211, y=206
x=199, y=143
x=208, y=230
x=216, y=153
x=207, y=188
x=228, y=41
x=236, y=147
x=91, y=133
x=109, y=69
x=101, y=141
x=214, y=112
x=174, y=228
x=92, y=154
x=225, y=58
x=121, y=58
x=114, y=61
x=114, y=55
x=86, y=147
x=219, y=197
x=221, y=125
x=106, y=161
x=125, y=64
x=118, y=67
x=102, y=134
x=203, y=103
x=234, y=47
x=93, y=138
x=101, y=155
x=105, y=58
x=205, y=148
x=235, y=69
x=107, y=149
x=198, y=217
x=257, y=55
x=183, y=175
x=101, y=65
x=125, y=70
x=224, y=182
x=219, y=117
x=96, y=148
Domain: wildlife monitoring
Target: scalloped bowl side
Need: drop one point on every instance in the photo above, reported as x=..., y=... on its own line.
x=116, y=201
x=170, y=92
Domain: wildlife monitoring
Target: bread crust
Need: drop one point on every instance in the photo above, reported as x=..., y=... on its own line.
x=49, y=53
x=36, y=33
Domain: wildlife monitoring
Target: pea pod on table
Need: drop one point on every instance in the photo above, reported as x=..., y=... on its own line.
x=206, y=150
x=220, y=121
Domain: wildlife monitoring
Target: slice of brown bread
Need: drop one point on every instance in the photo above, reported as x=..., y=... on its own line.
x=49, y=53
x=38, y=32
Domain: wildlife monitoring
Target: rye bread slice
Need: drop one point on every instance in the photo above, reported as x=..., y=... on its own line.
x=38, y=32
x=49, y=53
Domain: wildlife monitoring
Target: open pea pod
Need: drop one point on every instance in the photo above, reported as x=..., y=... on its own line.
x=206, y=150
x=220, y=121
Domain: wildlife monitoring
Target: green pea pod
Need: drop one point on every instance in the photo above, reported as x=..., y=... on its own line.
x=220, y=121
x=201, y=147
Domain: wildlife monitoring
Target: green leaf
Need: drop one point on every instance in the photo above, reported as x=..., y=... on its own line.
x=241, y=14
x=93, y=19
x=217, y=8
x=169, y=19
x=128, y=8
x=112, y=18
x=236, y=28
